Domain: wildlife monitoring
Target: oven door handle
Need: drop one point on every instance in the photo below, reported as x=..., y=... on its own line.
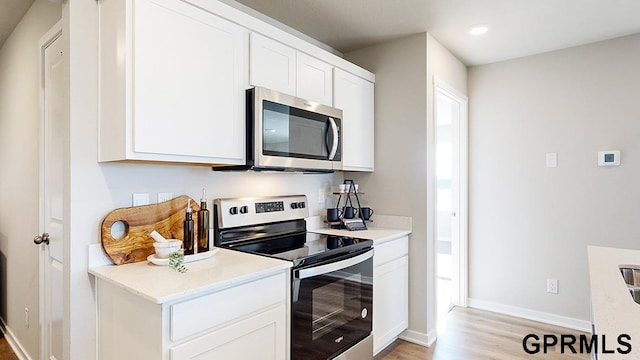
x=331, y=267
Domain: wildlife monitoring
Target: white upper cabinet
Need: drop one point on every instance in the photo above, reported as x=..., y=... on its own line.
x=354, y=95
x=272, y=65
x=173, y=75
x=172, y=81
x=279, y=67
x=314, y=79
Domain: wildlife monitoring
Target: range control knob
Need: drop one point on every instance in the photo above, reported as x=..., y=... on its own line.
x=233, y=210
x=244, y=209
x=298, y=205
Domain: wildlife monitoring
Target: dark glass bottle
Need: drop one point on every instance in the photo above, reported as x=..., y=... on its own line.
x=203, y=225
x=188, y=243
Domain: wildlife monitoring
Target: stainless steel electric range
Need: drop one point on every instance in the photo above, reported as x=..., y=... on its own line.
x=332, y=277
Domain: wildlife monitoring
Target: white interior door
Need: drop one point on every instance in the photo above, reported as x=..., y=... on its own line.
x=451, y=215
x=55, y=114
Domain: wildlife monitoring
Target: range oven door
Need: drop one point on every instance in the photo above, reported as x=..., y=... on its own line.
x=332, y=306
x=289, y=132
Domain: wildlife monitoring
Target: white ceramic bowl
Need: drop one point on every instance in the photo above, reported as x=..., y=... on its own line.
x=164, y=249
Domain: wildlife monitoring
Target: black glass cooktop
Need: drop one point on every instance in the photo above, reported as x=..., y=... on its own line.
x=304, y=248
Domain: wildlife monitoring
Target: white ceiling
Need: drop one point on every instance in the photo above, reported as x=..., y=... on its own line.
x=11, y=11
x=517, y=27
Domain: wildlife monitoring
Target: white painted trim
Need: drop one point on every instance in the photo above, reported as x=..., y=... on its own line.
x=547, y=318
x=14, y=344
x=462, y=261
x=45, y=41
x=418, y=337
x=450, y=89
x=463, y=295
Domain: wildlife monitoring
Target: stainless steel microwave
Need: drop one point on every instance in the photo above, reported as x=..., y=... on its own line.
x=291, y=134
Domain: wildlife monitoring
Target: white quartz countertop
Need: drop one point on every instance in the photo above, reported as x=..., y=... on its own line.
x=161, y=284
x=614, y=311
x=377, y=235
x=383, y=229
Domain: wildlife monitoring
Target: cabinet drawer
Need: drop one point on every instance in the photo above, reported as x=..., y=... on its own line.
x=210, y=311
x=262, y=336
x=390, y=250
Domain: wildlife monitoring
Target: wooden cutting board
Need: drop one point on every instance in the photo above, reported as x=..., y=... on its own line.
x=139, y=221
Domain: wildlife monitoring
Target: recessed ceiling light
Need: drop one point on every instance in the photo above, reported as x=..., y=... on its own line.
x=478, y=29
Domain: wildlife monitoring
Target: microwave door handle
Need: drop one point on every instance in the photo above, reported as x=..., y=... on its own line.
x=334, y=147
x=331, y=267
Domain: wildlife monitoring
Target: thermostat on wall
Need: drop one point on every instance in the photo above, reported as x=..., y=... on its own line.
x=609, y=158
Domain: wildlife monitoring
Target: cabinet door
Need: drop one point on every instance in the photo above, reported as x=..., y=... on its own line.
x=272, y=65
x=354, y=96
x=188, y=82
x=390, y=301
x=314, y=79
x=262, y=336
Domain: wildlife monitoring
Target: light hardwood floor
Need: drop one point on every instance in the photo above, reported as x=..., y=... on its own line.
x=472, y=334
x=5, y=350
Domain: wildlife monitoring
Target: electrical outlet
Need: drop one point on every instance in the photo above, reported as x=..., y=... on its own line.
x=552, y=286
x=140, y=199
x=162, y=197
x=26, y=317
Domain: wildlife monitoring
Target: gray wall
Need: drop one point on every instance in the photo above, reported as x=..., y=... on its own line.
x=403, y=151
x=19, y=127
x=397, y=187
x=527, y=222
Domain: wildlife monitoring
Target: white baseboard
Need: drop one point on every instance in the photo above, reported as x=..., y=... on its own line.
x=418, y=337
x=13, y=342
x=534, y=315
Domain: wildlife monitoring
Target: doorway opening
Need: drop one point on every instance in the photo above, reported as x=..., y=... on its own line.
x=451, y=200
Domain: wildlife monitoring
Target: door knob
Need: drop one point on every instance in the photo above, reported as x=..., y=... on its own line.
x=39, y=239
x=453, y=213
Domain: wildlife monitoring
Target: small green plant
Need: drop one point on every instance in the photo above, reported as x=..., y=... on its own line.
x=175, y=261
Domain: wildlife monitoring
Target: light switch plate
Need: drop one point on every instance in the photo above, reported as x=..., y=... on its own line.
x=552, y=160
x=609, y=158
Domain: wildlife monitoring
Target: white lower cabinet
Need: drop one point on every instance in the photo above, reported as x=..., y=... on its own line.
x=243, y=322
x=258, y=337
x=390, y=291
